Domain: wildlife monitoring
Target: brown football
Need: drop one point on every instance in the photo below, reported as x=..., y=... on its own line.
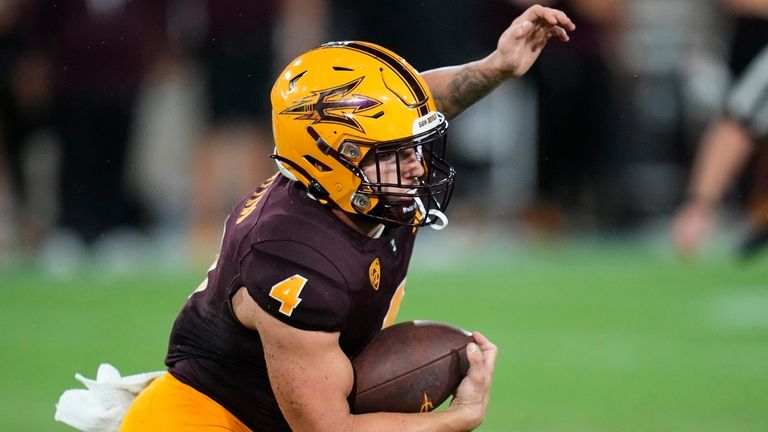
x=409, y=367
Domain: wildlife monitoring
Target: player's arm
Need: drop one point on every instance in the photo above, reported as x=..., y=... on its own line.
x=311, y=378
x=455, y=88
x=755, y=8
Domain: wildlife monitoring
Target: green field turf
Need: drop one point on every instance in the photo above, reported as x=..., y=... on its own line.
x=599, y=337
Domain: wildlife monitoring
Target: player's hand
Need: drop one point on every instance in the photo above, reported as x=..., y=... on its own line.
x=474, y=391
x=691, y=226
x=521, y=43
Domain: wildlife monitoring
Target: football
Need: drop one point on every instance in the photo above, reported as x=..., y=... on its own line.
x=409, y=367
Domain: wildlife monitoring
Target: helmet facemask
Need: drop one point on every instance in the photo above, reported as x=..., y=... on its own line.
x=418, y=202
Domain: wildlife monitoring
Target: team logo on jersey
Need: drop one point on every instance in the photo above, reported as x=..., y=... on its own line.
x=426, y=405
x=374, y=273
x=333, y=105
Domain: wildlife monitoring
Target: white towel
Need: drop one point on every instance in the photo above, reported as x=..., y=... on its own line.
x=103, y=405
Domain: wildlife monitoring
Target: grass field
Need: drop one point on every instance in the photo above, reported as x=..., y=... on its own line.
x=603, y=336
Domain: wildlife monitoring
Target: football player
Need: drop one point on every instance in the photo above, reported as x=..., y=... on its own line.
x=313, y=263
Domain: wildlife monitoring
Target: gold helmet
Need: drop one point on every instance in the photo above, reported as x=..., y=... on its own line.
x=343, y=103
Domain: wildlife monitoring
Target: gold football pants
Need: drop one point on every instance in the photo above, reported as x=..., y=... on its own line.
x=169, y=405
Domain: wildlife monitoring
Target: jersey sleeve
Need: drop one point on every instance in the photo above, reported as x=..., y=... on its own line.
x=296, y=284
x=746, y=102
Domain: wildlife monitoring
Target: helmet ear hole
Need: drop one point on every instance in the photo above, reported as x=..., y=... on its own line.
x=319, y=165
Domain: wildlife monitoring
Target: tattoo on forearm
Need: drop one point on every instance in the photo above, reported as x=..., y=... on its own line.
x=466, y=88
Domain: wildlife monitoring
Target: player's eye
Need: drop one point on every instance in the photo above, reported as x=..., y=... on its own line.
x=386, y=157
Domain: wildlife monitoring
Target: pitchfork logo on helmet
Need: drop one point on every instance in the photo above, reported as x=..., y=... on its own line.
x=329, y=105
x=348, y=105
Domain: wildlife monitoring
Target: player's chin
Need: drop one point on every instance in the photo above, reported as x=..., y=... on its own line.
x=398, y=209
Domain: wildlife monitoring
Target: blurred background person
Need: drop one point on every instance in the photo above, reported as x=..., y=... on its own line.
x=25, y=144
x=577, y=122
x=243, y=42
x=730, y=147
x=100, y=51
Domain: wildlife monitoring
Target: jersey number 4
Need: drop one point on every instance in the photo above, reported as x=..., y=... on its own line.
x=287, y=293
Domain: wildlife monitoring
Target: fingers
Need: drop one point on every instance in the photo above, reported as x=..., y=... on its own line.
x=473, y=390
x=559, y=22
x=488, y=350
x=554, y=23
x=559, y=33
x=475, y=357
x=552, y=16
x=473, y=393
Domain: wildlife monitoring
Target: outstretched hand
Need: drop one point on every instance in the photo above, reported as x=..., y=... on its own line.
x=455, y=88
x=521, y=43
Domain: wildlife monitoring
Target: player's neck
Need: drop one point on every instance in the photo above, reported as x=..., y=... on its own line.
x=361, y=224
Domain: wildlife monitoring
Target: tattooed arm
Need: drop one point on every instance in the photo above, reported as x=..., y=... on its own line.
x=455, y=88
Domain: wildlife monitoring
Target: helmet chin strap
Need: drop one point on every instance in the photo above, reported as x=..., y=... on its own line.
x=443, y=219
x=283, y=170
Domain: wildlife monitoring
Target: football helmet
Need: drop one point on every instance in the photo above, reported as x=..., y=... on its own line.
x=345, y=105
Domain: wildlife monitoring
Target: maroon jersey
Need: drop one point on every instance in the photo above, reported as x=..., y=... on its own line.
x=302, y=265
